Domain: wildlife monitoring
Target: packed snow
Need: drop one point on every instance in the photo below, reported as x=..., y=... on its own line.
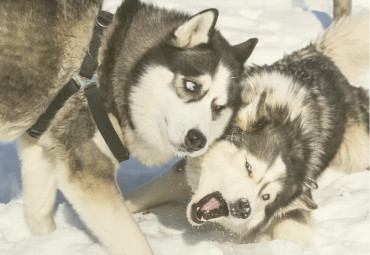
x=341, y=223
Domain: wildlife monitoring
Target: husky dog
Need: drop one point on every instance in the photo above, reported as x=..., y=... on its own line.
x=167, y=80
x=298, y=117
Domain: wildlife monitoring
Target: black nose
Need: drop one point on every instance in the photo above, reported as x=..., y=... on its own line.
x=240, y=208
x=195, y=140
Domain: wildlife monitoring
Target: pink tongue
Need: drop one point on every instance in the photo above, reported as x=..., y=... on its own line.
x=212, y=204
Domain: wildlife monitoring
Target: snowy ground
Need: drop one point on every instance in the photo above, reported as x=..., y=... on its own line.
x=341, y=222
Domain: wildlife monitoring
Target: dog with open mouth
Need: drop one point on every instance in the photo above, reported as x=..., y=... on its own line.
x=298, y=116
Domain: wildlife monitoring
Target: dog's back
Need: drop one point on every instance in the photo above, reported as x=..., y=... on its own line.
x=41, y=43
x=326, y=68
x=346, y=43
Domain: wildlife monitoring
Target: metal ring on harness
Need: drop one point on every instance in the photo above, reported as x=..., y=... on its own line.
x=84, y=82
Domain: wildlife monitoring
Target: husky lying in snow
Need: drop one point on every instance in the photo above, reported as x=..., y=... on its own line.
x=298, y=117
x=167, y=80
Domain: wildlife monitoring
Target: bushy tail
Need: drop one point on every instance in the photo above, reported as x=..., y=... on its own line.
x=346, y=43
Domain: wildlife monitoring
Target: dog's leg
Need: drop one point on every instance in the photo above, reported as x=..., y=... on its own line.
x=169, y=186
x=93, y=192
x=39, y=185
x=295, y=227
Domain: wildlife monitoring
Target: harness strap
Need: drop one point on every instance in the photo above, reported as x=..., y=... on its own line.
x=86, y=81
x=104, y=124
x=90, y=62
x=44, y=120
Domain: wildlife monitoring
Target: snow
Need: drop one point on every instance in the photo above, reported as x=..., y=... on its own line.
x=341, y=222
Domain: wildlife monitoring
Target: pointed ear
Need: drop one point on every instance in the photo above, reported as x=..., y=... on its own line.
x=305, y=202
x=245, y=49
x=197, y=30
x=309, y=203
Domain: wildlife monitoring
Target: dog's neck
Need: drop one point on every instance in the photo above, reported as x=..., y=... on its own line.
x=144, y=151
x=139, y=147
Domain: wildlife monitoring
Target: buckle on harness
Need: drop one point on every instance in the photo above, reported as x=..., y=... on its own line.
x=84, y=82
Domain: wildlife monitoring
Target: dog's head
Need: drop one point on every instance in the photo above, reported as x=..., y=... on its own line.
x=184, y=95
x=258, y=170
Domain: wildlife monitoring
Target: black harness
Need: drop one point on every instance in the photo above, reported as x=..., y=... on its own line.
x=86, y=80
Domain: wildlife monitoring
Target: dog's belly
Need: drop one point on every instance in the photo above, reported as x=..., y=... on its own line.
x=41, y=44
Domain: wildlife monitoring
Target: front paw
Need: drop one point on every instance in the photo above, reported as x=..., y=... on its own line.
x=40, y=225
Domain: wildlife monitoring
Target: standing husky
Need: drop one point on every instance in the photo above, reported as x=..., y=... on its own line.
x=166, y=79
x=298, y=116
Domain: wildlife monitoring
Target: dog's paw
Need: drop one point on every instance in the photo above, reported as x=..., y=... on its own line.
x=41, y=225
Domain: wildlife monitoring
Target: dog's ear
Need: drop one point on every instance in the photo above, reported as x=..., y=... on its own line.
x=197, y=30
x=308, y=202
x=245, y=49
x=305, y=202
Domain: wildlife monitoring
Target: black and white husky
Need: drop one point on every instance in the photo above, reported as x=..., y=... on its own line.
x=298, y=116
x=167, y=80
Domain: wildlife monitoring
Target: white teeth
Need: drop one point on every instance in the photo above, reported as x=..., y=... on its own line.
x=248, y=209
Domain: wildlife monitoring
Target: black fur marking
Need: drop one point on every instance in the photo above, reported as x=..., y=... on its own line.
x=244, y=50
x=123, y=18
x=296, y=215
x=198, y=97
x=262, y=188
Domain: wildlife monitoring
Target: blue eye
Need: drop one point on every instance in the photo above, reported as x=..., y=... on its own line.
x=266, y=197
x=191, y=86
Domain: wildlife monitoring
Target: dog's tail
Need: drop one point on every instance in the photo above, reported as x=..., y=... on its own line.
x=346, y=43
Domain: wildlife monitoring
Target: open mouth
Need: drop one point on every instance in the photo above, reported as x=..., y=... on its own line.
x=209, y=207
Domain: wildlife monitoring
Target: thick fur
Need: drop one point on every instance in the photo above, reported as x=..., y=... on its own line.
x=346, y=45
x=298, y=116
x=42, y=43
x=148, y=59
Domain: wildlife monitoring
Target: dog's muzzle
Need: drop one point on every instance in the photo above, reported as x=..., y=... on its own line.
x=209, y=207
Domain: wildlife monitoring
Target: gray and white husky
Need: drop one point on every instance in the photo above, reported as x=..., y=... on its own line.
x=298, y=116
x=167, y=80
